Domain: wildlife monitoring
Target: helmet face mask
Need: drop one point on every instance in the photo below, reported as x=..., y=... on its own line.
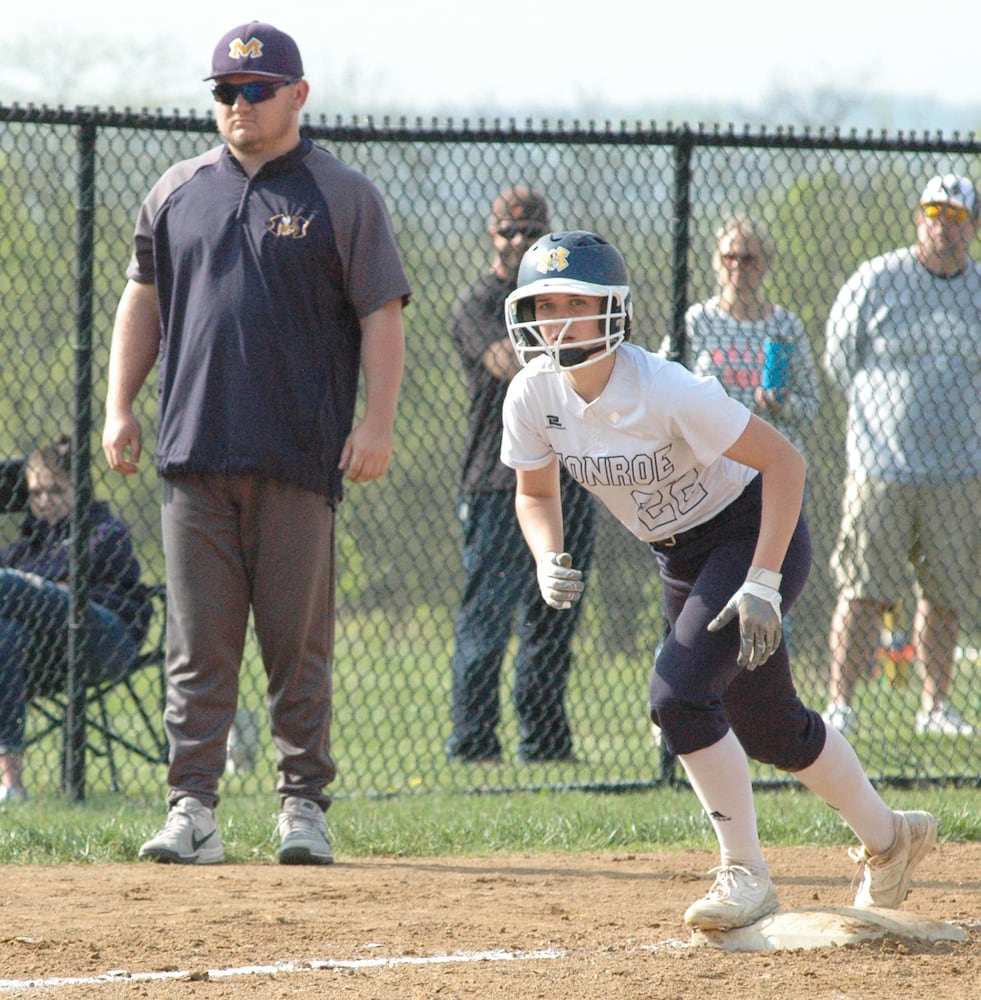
x=530, y=340
x=573, y=263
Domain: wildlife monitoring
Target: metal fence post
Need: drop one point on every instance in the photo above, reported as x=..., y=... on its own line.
x=73, y=763
x=680, y=223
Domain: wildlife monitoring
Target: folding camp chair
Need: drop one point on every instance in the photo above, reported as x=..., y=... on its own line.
x=125, y=714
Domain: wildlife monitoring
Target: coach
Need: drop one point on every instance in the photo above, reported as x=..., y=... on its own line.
x=265, y=274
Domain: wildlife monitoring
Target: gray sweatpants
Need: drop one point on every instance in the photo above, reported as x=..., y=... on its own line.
x=231, y=544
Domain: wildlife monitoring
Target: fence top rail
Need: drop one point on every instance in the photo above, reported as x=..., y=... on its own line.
x=483, y=130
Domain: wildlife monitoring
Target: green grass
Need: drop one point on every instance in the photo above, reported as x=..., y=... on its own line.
x=111, y=828
x=392, y=697
x=398, y=795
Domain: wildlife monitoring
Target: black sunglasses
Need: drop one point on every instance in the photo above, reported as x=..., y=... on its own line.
x=255, y=92
x=508, y=232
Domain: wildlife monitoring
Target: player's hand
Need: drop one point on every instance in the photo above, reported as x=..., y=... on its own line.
x=757, y=602
x=560, y=584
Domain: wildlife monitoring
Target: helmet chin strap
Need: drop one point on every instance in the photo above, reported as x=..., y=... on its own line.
x=570, y=356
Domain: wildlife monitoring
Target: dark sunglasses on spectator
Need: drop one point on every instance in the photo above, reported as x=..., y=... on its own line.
x=508, y=232
x=954, y=212
x=255, y=92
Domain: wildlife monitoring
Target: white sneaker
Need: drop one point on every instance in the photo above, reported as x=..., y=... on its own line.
x=942, y=720
x=886, y=876
x=841, y=717
x=189, y=837
x=302, y=829
x=739, y=896
x=13, y=793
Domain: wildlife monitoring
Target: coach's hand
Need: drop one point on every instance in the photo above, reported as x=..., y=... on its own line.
x=757, y=602
x=122, y=442
x=560, y=584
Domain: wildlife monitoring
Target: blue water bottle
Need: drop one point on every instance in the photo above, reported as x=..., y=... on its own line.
x=776, y=367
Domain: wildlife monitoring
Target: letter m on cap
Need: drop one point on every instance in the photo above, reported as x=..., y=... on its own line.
x=237, y=49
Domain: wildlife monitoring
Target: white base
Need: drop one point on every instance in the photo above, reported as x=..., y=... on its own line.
x=821, y=928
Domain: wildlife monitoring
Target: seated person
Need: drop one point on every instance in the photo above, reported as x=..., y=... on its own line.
x=34, y=603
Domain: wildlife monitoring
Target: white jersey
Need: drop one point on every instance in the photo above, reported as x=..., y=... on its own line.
x=650, y=447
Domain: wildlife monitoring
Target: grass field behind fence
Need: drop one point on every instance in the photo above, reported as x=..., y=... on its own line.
x=392, y=708
x=398, y=795
x=420, y=805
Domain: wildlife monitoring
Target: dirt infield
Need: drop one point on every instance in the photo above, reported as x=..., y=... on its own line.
x=572, y=927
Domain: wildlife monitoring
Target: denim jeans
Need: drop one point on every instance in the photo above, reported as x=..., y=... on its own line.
x=501, y=586
x=34, y=648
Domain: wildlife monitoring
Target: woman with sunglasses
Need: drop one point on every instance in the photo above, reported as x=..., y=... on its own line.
x=758, y=350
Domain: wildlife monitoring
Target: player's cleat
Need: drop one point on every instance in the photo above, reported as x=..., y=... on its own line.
x=886, y=876
x=841, y=717
x=303, y=834
x=739, y=896
x=189, y=837
x=942, y=720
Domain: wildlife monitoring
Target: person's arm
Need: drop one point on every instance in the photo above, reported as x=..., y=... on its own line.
x=782, y=471
x=368, y=448
x=132, y=355
x=538, y=504
x=500, y=360
x=475, y=320
x=843, y=332
x=757, y=602
x=112, y=559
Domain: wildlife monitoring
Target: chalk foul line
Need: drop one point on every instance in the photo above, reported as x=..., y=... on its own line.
x=124, y=975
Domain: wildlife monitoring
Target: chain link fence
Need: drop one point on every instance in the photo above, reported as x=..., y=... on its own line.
x=73, y=184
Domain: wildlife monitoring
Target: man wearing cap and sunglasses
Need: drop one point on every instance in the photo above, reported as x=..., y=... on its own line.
x=500, y=584
x=266, y=276
x=904, y=345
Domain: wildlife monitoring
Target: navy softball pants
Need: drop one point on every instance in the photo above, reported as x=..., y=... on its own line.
x=698, y=692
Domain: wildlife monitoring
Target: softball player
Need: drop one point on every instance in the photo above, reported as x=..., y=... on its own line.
x=716, y=493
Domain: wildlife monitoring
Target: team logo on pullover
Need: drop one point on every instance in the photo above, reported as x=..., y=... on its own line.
x=289, y=226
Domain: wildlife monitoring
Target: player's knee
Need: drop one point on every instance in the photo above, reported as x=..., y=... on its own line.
x=686, y=726
x=787, y=741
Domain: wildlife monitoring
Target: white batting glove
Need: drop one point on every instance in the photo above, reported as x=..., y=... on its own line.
x=757, y=602
x=560, y=584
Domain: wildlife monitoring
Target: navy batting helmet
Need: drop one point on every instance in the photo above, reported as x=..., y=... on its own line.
x=572, y=263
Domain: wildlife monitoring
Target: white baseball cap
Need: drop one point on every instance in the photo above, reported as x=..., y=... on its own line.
x=951, y=189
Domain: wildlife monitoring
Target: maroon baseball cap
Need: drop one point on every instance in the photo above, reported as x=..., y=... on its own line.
x=519, y=204
x=258, y=49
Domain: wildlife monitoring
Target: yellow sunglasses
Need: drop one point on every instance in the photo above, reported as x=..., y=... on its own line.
x=953, y=212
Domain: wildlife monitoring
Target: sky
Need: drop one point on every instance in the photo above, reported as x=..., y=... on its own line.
x=445, y=58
